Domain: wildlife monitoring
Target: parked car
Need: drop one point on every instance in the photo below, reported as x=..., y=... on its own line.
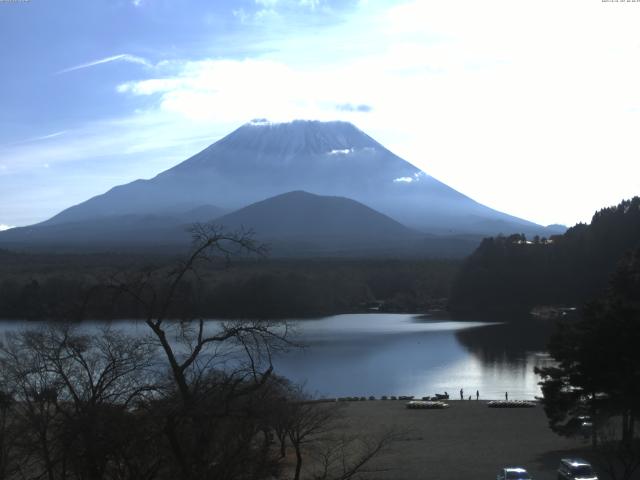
x=575, y=469
x=513, y=473
x=586, y=425
x=579, y=425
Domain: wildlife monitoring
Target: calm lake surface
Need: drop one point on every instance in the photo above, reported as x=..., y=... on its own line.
x=398, y=354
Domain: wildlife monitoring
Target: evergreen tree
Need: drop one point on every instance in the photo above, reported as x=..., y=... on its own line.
x=598, y=370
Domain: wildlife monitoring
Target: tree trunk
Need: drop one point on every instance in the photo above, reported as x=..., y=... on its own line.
x=176, y=448
x=178, y=374
x=283, y=448
x=47, y=457
x=282, y=438
x=298, y=462
x=626, y=428
x=594, y=425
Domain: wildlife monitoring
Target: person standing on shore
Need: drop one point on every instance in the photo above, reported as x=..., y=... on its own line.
x=506, y=396
x=477, y=394
x=461, y=394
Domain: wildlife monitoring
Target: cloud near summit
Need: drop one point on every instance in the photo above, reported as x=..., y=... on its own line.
x=349, y=107
x=236, y=90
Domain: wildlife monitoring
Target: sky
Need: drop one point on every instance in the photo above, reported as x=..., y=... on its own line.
x=531, y=108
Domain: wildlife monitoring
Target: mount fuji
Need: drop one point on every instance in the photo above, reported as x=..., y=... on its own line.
x=261, y=160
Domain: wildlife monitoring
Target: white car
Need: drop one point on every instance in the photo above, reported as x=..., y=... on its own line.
x=513, y=473
x=575, y=469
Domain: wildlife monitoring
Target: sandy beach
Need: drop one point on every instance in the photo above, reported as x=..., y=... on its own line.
x=466, y=440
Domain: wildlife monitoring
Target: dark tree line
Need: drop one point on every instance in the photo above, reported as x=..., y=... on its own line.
x=517, y=273
x=247, y=288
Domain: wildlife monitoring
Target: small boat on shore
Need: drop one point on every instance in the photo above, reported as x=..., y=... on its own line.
x=426, y=405
x=511, y=404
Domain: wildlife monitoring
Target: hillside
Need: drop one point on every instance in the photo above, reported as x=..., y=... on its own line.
x=518, y=273
x=294, y=224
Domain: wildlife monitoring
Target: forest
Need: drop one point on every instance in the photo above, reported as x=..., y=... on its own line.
x=505, y=274
x=515, y=273
x=41, y=286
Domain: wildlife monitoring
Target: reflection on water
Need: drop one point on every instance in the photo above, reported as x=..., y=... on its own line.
x=506, y=342
x=384, y=354
x=395, y=354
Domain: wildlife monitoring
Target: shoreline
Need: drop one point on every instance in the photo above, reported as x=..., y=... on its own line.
x=408, y=398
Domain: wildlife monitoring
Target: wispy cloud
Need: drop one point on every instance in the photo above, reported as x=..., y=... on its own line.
x=147, y=143
x=312, y=4
x=349, y=107
x=47, y=137
x=87, y=161
x=36, y=139
x=123, y=57
x=4, y=227
x=265, y=11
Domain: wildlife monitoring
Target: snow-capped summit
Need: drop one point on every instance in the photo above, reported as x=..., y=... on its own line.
x=288, y=139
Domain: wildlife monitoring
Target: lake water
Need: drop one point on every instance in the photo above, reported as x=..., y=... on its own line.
x=397, y=354
x=393, y=354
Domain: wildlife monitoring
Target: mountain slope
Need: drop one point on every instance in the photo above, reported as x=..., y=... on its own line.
x=120, y=232
x=300, y=223
x=305, y=215
x=261, y=159
x=294, y=224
